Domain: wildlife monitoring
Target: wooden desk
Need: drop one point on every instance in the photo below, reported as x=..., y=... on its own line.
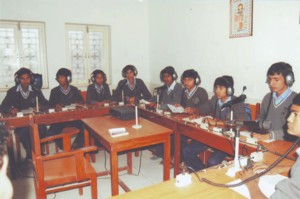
x=168, y=190
x=149, y=134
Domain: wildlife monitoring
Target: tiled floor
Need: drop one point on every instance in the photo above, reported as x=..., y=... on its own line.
x=151, y=173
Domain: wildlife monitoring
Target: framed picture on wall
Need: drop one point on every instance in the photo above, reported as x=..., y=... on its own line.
x=241, y=15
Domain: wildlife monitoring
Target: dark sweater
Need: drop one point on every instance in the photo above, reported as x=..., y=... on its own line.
x=239, y=112
x=14, y=99
x=58, y=97
x=198, y=100
x=140, y=91
x=93, y=96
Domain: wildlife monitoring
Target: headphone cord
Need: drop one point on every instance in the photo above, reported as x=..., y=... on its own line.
x=254, y=176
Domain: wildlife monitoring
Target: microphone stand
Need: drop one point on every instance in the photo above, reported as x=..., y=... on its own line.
x=236, y=167
x=137, y=125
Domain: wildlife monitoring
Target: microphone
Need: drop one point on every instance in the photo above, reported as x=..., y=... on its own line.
x=236, y=100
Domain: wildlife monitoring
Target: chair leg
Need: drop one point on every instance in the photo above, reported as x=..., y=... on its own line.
x=93, y=156
x=137, y=153
x=94, y=187
x=80, y=191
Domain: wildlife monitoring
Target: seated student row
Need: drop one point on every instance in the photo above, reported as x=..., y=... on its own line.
x=131, y=89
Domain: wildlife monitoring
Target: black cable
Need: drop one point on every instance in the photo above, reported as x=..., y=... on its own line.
x=254, y=176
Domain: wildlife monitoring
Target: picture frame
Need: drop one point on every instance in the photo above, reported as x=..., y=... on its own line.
x=241, y=18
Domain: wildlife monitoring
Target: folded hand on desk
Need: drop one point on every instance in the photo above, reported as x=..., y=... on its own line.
x=261, y=136
x=258, y=167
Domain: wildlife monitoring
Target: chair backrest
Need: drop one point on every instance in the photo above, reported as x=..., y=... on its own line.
x=83, y=94
x=255, y=110
x=56, y=171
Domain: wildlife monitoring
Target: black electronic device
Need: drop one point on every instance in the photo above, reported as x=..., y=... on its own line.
x=123, y=112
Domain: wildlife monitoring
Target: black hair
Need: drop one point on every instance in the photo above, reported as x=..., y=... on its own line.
x=192, y=74
x=226, y=81
x=127, y=68
x=280, y=68
x=296, y=100
x=23, y=71
x=95, y=73
x=169, y=70
x=64, y=72
x=285, y=70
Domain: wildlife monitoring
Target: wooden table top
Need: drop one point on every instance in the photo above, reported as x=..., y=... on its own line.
x=101, y=125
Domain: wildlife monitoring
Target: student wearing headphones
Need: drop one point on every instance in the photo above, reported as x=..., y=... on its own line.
x=62, y=95
x=287, y=188
x=171, y=91
x=194, y=98
x=98, y=92
x=131, y=89
x=275, y=104
x=224, y=90
x=20, y=97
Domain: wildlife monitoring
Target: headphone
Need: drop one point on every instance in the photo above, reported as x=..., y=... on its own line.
x=286, y=70
x=127, y=68
x=95, y=73
x=170, y=70
x=289, y=77
x=20, y=72
x=193, y=74
x=65, y=72
x=229, y=87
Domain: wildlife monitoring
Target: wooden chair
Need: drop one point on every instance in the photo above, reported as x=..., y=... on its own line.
x=255, y=110
x=61, y=171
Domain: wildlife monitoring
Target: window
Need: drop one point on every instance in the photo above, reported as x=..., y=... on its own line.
x=22, y=44
x=88, y=49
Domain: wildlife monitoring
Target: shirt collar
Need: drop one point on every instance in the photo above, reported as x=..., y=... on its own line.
x=281, y=98
x=170, y=88
x=19, y=88
x=98, y=87
x=227, y=100
x=128, y=83
x=191, y=93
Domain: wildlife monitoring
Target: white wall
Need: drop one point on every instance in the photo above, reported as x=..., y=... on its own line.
x=195, y=34
x=129, y=29
x=184, y=33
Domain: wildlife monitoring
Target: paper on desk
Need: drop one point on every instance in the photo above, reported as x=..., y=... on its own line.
x=142, y=101
x=266, y=184
x=117, y=132
x=175, y=109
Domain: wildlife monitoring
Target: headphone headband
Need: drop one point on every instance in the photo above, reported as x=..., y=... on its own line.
x=95, y=73
x=127, y=68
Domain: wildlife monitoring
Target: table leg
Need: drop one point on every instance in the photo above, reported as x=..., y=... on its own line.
x=167, y=158
x=177, y=154
x=114, y=173
x=129, y=162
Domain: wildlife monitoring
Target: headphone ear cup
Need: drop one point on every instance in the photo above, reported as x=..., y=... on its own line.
x=289, y=80
x=230, y=91
x=69, y=79
x=197, y=81
x=175, y=76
